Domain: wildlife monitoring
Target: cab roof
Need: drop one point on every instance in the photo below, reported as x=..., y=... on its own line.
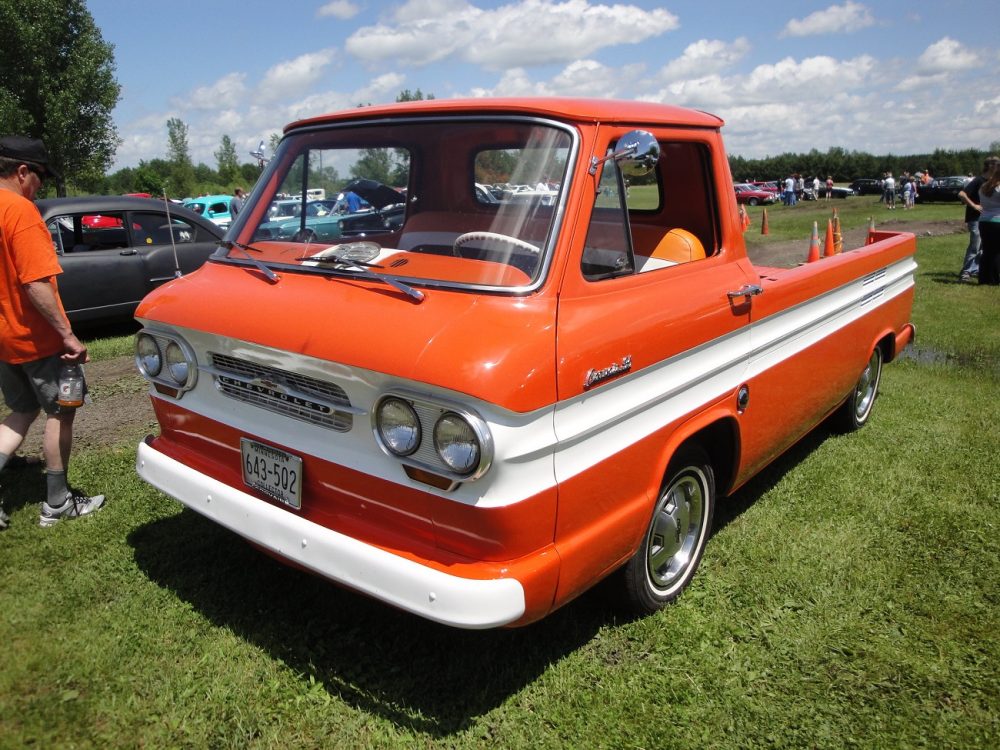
x=558, y=108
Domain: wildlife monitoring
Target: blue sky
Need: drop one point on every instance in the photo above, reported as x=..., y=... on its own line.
x=883, y=77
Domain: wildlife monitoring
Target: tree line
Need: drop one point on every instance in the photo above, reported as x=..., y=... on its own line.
x=844, y=165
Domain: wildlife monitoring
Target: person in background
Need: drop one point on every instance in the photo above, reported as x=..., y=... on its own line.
x=236, y=204
x=790, y=191
x=36, y=339
x=889, y=190
x=816, y=188
x=829, y=187
x=909, y=189
x=969, y=195
x=989, y=227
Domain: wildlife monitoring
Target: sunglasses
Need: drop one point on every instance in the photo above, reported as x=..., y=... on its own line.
x=37, y=171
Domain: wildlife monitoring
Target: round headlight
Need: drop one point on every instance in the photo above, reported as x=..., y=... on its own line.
x=398, y=426
x=178, y=368
x=147, y=355
x=457, y=444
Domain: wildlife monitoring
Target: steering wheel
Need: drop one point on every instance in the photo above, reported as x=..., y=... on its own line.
x=464, y=239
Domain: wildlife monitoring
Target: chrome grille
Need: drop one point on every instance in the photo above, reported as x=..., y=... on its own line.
x=287, y=393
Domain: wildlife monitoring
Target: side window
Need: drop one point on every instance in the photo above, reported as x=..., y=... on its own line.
x=83, y=233
x=663, y=219
x=153, y=229
x=61, y=229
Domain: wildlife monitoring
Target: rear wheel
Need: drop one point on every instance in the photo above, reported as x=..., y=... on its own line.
x=676, y=536
x=855, y=411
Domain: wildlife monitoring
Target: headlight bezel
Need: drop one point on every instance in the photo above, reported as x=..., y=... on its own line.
x=166, y=376
x=430, y=410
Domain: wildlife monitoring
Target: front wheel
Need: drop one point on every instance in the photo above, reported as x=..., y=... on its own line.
x=676, y=536
x=855, y=411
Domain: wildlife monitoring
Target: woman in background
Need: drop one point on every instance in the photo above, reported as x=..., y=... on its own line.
x=989, y=227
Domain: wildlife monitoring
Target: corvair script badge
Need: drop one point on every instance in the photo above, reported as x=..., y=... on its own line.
x=273, y=392
x=599, y=376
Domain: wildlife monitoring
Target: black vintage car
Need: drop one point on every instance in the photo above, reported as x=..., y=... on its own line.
x=941, y=190
x=866, y=186
x=115, y=249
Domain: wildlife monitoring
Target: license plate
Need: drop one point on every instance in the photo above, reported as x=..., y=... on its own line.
x=274, y=472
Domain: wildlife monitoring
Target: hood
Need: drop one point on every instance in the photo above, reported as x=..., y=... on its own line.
x=375, y=193
x=497, y=348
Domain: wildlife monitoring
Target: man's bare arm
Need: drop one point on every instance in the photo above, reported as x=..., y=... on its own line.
x=43, y=297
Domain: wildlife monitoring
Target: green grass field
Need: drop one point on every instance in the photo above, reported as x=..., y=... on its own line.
x=850, y=597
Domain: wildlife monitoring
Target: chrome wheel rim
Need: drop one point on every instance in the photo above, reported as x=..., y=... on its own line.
x=864, y=394
x=676, y=532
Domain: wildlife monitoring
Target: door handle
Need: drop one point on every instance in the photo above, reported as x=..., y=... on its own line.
x=747, y=290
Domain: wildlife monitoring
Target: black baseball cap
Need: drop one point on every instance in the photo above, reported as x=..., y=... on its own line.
x=30, y=151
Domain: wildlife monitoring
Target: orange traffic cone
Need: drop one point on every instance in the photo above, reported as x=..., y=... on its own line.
x=814, y=245
x=763, y=224
x=744, y=218
x=829, y=243
x=871, y=230
x=838, y=238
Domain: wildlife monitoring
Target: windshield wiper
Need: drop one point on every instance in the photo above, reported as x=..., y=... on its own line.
x=230, y=244
x=362, y=269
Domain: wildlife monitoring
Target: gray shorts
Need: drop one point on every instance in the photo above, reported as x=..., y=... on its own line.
x=33, y=385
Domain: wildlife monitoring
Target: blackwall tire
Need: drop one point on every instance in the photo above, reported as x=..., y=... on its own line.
x=675, y=539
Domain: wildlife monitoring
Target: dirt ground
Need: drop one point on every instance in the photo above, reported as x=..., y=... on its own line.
x=790, y=254
x=120, y=412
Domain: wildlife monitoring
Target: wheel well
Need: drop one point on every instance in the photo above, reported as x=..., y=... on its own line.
x=888, y=346
x=720, y=440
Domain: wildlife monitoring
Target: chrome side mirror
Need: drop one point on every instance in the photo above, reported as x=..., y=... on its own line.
x=637, y=154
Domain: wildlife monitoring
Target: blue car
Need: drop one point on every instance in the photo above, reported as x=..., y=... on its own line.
x=215, y=208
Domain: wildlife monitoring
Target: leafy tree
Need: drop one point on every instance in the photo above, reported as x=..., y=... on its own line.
x=182, y=176
x=249, y=173
x=374, y=164
x=229, y=165
x=57, y=83
x=412, y=96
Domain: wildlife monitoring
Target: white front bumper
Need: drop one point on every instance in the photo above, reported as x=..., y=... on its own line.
x=430, y=593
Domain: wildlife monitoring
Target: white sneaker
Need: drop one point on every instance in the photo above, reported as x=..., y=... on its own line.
x=76, y=505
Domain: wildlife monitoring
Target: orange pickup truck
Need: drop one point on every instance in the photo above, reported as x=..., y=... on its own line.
x=536, y=361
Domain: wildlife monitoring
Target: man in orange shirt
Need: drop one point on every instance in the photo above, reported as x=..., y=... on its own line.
x=36, y=339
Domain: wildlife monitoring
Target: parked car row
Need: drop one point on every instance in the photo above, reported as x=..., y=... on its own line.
x=941, y=189
x=753, y=196
x=114, y=250
x=835, y=192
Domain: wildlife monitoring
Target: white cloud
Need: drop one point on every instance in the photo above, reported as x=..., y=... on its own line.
x=946, y=56
x=228, y=91
x=340, y=9
x=989, y=107
x=837, y=19
x=582, y=78
x=525, y=33
x=912, y=83
x=292, y=77
x=704, y=57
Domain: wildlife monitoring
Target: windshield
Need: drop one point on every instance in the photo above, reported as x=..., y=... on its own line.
x=456, y=202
